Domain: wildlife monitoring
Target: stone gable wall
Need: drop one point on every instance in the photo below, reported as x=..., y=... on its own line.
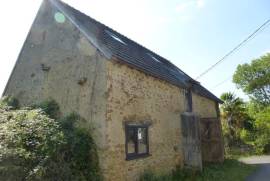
x=58, y=62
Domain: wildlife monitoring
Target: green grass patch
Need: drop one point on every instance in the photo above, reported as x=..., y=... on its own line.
x=237, y=152
x=229, y=170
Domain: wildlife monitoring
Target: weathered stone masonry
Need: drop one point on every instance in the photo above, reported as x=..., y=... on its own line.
x=58, y=62
x=135, y=96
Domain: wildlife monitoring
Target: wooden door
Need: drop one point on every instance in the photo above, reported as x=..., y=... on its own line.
x=211, y=139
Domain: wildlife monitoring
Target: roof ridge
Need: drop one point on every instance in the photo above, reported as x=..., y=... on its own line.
x=132, y=53
x=127, y=38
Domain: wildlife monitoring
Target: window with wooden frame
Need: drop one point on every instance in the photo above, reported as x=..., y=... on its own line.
x=137, y=144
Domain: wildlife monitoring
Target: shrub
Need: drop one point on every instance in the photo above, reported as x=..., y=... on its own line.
x=36, y=147
x=80, y=151
x=9, y=102
x=50, y=107
x=27, y=139
x=262, y=125
x=247, y=136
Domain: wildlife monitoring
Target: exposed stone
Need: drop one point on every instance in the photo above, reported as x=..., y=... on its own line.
x=112, y=95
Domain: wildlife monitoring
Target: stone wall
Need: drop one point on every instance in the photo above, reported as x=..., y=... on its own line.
x=58, y=62
x=134, y=96
x=204, y=107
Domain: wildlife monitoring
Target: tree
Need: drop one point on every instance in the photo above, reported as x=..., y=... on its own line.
x=233, y=111
x=262, y=134
x=254, y=79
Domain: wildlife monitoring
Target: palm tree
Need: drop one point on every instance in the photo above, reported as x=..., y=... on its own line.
x=233, y=111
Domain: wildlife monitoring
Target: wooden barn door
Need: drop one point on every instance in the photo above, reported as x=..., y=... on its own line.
x=212, y=142
x=191, y=140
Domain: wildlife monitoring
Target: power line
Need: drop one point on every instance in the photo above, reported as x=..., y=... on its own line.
x=230, y=77
x=222, y=82
x=250, y=37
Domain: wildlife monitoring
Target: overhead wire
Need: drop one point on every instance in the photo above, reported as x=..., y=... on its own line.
x=222, y=82
x=250, y=37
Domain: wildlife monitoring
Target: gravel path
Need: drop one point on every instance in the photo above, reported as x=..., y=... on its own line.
x=263, y=172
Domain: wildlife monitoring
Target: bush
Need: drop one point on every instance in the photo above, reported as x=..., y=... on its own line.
x=259, y=135
x=50, y=107
x=246, y=136
x=9, y=102
x=36, y=147
x=27, y=139
x=79, y=154
x=262, y=125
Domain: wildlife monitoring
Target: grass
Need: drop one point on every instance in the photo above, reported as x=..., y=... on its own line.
x=236, y=152
x=230, y=170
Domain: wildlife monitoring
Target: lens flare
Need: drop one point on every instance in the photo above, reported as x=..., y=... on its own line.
x=59, y=17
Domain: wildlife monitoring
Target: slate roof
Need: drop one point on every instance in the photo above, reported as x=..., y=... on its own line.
x=114, y=45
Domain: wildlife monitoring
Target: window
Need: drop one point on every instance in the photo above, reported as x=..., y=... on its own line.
x=154, y=58
x=115, y=37
x=136, y=141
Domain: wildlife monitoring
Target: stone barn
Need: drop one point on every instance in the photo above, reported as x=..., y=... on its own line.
x=145, y=113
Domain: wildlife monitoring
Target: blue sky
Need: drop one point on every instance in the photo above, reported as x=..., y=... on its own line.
x=193, y=34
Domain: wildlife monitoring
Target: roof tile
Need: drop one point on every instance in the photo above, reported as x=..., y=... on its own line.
x=130, y=52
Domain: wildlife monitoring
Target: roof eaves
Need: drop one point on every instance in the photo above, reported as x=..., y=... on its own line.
x=146, y=71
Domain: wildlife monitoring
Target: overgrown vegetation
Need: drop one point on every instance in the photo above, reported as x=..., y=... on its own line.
x=246, y=125
x=9, y=102
x=50, y=107
x=36, y=147
x=229, y=170
x=79, y=153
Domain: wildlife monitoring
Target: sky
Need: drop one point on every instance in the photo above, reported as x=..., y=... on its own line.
x=193, y=34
